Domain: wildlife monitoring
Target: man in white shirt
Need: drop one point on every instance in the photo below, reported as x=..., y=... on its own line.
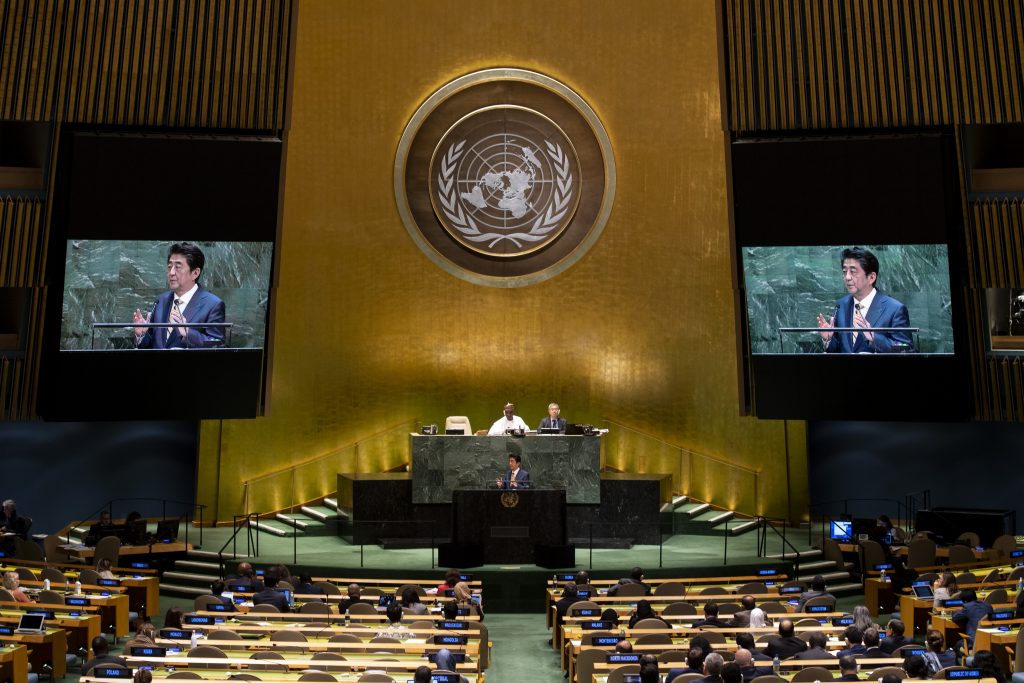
x=509, y=421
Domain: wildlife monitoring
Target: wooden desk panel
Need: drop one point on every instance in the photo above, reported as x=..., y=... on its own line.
x=14, y=663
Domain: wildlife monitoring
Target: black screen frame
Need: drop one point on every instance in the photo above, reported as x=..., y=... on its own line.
x=840, y=187
x=159, y=184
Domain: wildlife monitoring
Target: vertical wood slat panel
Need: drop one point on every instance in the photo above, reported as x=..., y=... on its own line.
x=874, y=63
x=191, y=63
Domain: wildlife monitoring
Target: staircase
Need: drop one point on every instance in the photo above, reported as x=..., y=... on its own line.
x=812, y=563
x=693, y=517
x=193, y=575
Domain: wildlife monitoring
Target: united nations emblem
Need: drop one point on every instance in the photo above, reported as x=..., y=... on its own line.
x=505, y=181
x=509, y=499
x=504, y=177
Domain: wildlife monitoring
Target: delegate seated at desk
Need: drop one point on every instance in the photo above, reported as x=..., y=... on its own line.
x=101, y=529
x=516, y=477
x=508, y=421
x=553, y=420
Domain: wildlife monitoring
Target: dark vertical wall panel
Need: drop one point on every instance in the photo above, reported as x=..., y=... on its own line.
x=88, y=464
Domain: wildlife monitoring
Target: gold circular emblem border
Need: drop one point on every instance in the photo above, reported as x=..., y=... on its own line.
x=510, y=499
x=432, y=187
x=485, y=76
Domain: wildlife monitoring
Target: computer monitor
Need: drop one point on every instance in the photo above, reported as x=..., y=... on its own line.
x=167, y=530
x=841, y=530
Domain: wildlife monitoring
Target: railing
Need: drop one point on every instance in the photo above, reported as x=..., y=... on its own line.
x=690, y=469
x=763, y=526
x=296, y=485
x=189, y=517
x=903, y=512
x=919, y=500
x=252, y=545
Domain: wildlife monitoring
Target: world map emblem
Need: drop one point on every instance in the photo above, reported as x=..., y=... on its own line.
x=504, y=177
x=505, y=181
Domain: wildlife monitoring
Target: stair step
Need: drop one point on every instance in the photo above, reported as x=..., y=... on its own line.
x=845, y=588
x=697, y=510
x=321, y=513
x=706, y=517
x=198, y=566
x=271, y=529
x=830, y=577
x=298, y=521
x=816, y=565
x=331, y=503
x=737, y=527
x=188, y=591
x=207, y=555
x=678, y=501
x=188, y=577
x=721, y=517
x=803, y=555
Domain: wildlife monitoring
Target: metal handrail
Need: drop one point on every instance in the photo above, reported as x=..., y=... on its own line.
x=326, y=456
x=693, y=455
x=903, y=510
x=252, y=543
x=109, y=507
x=763, y=524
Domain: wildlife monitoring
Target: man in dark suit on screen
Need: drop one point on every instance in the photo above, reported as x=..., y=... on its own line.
x=516, y=477
x=187, y=302
x=864, y=308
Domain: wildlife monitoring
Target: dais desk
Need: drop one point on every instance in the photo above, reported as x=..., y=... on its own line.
x=441, y=464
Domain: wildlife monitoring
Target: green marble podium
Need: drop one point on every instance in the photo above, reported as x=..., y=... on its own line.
x=442, y=464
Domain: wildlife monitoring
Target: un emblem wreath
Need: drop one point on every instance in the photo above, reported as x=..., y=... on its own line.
x=504, y=177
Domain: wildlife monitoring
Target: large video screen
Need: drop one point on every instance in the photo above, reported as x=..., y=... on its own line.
x=796, y=296
x=161, y=273
x=877, y=335
x=109, y=285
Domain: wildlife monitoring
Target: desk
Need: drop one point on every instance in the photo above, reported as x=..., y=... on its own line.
x=997, y=642
x=86, y=552
x=14, y=663
x=507, y=524
x=49, y=647
x=879, y=597
x=441, y=464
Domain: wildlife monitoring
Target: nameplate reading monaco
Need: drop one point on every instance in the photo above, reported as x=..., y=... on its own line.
x=504, y=177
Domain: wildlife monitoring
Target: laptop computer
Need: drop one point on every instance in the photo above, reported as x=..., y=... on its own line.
x=923, y=592
x=30, y=623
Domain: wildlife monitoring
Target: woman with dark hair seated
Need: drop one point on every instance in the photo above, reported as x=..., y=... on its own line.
x=985, y=661
x=411, y=601
x=173, y=618
x=915, y=667
x=644, y=611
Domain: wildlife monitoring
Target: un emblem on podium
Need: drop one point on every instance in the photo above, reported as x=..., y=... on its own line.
x=509, y=499
x=504, y=177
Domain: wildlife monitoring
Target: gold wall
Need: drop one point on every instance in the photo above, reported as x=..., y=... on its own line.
x=369, y=334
